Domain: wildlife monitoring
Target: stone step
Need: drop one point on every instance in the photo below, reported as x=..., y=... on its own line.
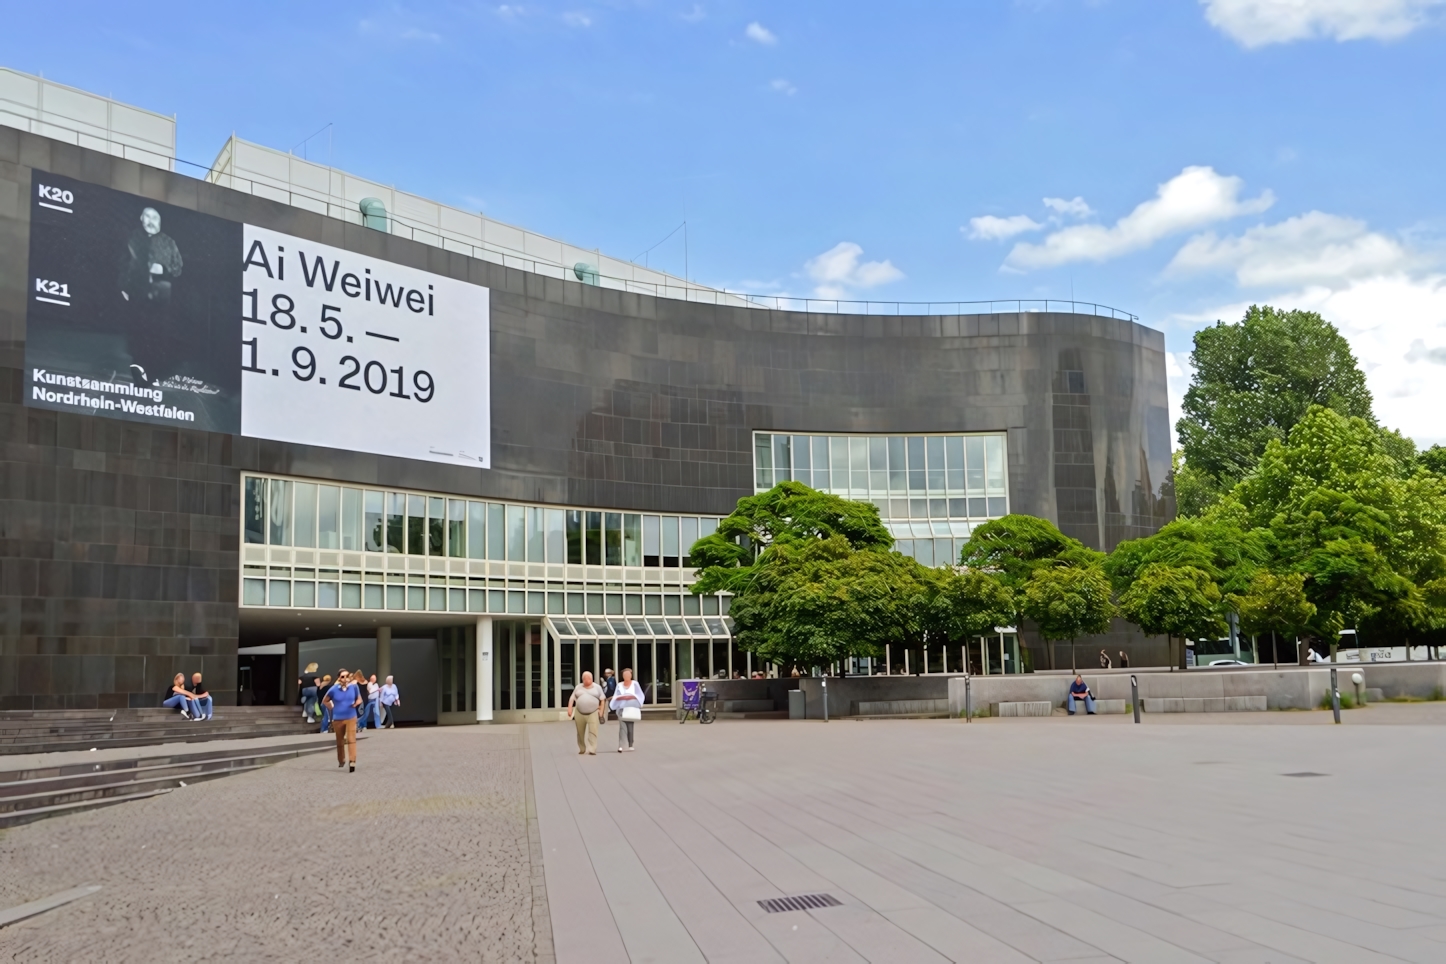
x=43, y=793
x=184, y=733
x=1022, y=708
x=1203, y=704
x=57, y=810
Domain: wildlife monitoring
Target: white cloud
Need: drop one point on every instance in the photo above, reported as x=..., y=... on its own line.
x=1075, y=209
x=576, y=19
x=783, y=86
x=758, y=33
x=694, y=15
x=1313, y=248
x=990, y=228
x=1257, y=23
x=1195, y=197
x=838, y=270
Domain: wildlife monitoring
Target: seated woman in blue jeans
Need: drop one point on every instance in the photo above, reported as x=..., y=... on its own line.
x=1079, y=691
x=179, y=696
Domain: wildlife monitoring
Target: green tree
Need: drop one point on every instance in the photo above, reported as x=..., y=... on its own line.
x=965, y=604
x=1216, y=544
x=1014, y=547
x=1363, y=528
x=812, y=577
x=1275, y=604
x=1175, y=602
x=1252, y=383
x=788, y=513
x=815, y=603
x=1195, y=490
x=1066, y=602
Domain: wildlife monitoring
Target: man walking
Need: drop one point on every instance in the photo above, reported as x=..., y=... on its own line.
x=343, y=700
x=204, y=704
x=584, y=708
x=610, y=687
x=390, y=701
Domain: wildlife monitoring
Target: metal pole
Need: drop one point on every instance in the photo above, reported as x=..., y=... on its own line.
x=1135, y=695
x=968, y=701
x=825, y=699
x=1335, y=695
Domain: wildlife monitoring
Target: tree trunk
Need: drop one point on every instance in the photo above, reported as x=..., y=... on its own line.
x=1274, y=653
x=1072, y=667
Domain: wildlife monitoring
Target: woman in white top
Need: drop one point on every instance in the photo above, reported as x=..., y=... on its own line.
x=627, y=702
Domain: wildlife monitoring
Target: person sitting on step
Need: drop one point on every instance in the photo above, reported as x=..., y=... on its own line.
x=177, y=696
x=205, y=705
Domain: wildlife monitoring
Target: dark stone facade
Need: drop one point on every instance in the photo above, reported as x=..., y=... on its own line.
x=119, y=541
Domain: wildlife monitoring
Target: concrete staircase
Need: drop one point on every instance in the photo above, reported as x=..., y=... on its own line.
x=49, y=791
x=50, y=731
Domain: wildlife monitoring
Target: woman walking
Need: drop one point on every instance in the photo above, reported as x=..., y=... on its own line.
x=627, y=702
x=343, y=699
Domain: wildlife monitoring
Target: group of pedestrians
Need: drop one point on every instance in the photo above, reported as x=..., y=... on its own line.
x=378, y=707
x=591, y=702
x=192, y=699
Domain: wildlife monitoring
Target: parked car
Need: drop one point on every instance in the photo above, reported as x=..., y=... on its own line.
x=1227, y=662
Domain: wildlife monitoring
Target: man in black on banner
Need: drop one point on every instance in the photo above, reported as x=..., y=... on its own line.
x=149, y=267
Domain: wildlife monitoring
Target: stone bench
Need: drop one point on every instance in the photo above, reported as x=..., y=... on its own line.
x=1206, y=704
x=902, y=708
x=1102, y=707
x=1022, y=708
x=747, y=706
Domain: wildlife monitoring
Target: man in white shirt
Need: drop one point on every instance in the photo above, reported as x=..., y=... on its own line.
x=390, y=701
x=584, y=708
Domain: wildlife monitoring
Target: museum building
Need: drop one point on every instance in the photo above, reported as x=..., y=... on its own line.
x=518, y=511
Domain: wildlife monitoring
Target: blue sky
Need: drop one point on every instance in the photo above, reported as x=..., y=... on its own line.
x=1179, y=159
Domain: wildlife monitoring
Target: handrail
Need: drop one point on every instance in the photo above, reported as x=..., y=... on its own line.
x=685, y=290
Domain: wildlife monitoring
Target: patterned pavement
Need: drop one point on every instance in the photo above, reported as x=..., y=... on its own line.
x=427, y=852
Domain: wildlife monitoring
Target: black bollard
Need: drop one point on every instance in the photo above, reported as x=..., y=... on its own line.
x=968, y=701
x=825, y=699
x=1335, y=696
x=1135, y=695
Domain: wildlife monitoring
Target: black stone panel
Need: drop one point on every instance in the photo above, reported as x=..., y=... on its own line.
x=118, y=541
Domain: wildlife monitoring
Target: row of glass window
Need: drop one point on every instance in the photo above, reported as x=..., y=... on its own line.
x=282, y=512
x=932, y=552
x=322, y=589
x=901, y=465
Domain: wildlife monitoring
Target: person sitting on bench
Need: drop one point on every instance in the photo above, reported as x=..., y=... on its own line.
x=1079, y=691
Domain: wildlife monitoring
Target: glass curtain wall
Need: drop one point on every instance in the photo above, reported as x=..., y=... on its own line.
x=387, y=523
x=931, y=490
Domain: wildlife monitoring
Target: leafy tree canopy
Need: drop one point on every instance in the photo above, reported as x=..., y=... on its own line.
x=1174, y=600
x=790, y=512
x=1216, y=545
x=816, y=602
x=1066, y=602
x=1255, y=380
x=967, y=603
x=1362, y=527
x=1274, y=604
x=1016, y=546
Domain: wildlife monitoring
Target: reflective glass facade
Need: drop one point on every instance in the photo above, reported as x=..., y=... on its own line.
x=931, y=490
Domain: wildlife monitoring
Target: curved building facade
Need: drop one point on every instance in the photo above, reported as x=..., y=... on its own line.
x=621, y=426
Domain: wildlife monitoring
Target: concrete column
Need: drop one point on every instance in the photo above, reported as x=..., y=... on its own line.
x=384, y=653
x=483, y=663
x=292, y=668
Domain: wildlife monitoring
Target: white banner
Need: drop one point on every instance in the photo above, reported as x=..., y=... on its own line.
x=352, y=352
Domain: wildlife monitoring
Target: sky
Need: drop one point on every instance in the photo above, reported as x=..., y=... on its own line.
x=1176, y=159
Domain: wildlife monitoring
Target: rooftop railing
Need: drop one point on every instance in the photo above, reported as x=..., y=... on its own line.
x=678, y=289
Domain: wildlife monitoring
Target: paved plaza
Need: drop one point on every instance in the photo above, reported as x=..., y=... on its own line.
x=1231, y=838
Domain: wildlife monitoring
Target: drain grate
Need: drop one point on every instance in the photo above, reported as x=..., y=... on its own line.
x=779, y=905
x=1305, y=773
